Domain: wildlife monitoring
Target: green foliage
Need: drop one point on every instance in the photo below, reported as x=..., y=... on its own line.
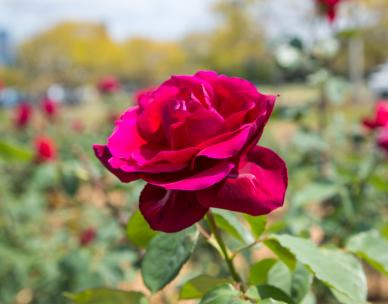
x=13, y=152
x=257, y=224
x=197, y=287
x=339, y=271
x=258, y=272
x=223, y=295
x=107, y=296
x=165, y=256
x=138, y=230
x=371, y=247
x=230, y=223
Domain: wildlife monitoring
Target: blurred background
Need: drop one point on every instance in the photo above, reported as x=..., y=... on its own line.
x=67, y=70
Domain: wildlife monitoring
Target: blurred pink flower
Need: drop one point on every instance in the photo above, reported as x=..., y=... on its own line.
x=23, y=115
x=45, y=149
x=49, y=108
x=108, y=85
x=380, y=117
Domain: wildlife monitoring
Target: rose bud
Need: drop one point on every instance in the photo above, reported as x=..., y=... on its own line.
x=49, y=108
x=87, y=236
x=44, y=149
x=193, y=140
x=380, y=118
x=23, y=115
x=108, y=85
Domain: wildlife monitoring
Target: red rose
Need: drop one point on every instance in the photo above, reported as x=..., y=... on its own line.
x=44, y=149
x=380, y=118
x=108, y=85
x=193, y=140
x=49, y=107
x=382, y=139
x=87, y=236
x=23, y=115
x=329, y=8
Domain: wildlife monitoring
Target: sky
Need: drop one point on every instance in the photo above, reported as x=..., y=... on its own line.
x=157, y=19
x=160, y=19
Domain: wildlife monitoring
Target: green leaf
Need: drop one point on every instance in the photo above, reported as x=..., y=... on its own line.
x=272, y=292
x=280, y=276
x=283, y=254
x=309, y=298
x=223, y=295
x=10, y=151
x=107, y=296
x=257, y=224
x=271, y=301
x=371, y=247
x=138, y=230
x=228, y=222
x=315, y=193
x=199, y=286
x=339, y=271
x=165, y=256
x=301, y=280
x=259, y=271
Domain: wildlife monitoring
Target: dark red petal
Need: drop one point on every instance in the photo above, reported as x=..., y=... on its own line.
x=170, y=210
x=125, y=139
x=103, y=154
x=189, y=180
x=259, y=188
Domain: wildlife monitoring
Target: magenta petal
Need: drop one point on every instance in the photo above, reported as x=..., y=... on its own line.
x=259, y=188
x=104, y=155
x=125, y=139
x=170, y=210
x=201, y=180
x=228, y=144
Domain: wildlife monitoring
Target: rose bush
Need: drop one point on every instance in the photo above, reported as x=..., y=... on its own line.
x=193, y=140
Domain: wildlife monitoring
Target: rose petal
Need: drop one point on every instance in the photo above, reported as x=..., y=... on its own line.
x=125, y=138
x=258, y=189
x=170, y=210
x=190, y=180
x=103, y=154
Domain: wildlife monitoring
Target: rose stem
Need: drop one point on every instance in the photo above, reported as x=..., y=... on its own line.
x=220, y=241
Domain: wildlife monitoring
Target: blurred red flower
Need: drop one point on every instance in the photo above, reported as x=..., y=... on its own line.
x=49, y=107
x=193, y=140
x=380, y=118
x=329, y=8
x=45, y=149
x=78, y=126
x=87, y=236
x=108, y=85
x=23, y=114
x=382, y=138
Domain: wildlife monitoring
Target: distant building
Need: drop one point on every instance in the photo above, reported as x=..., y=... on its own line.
x=6, y=51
